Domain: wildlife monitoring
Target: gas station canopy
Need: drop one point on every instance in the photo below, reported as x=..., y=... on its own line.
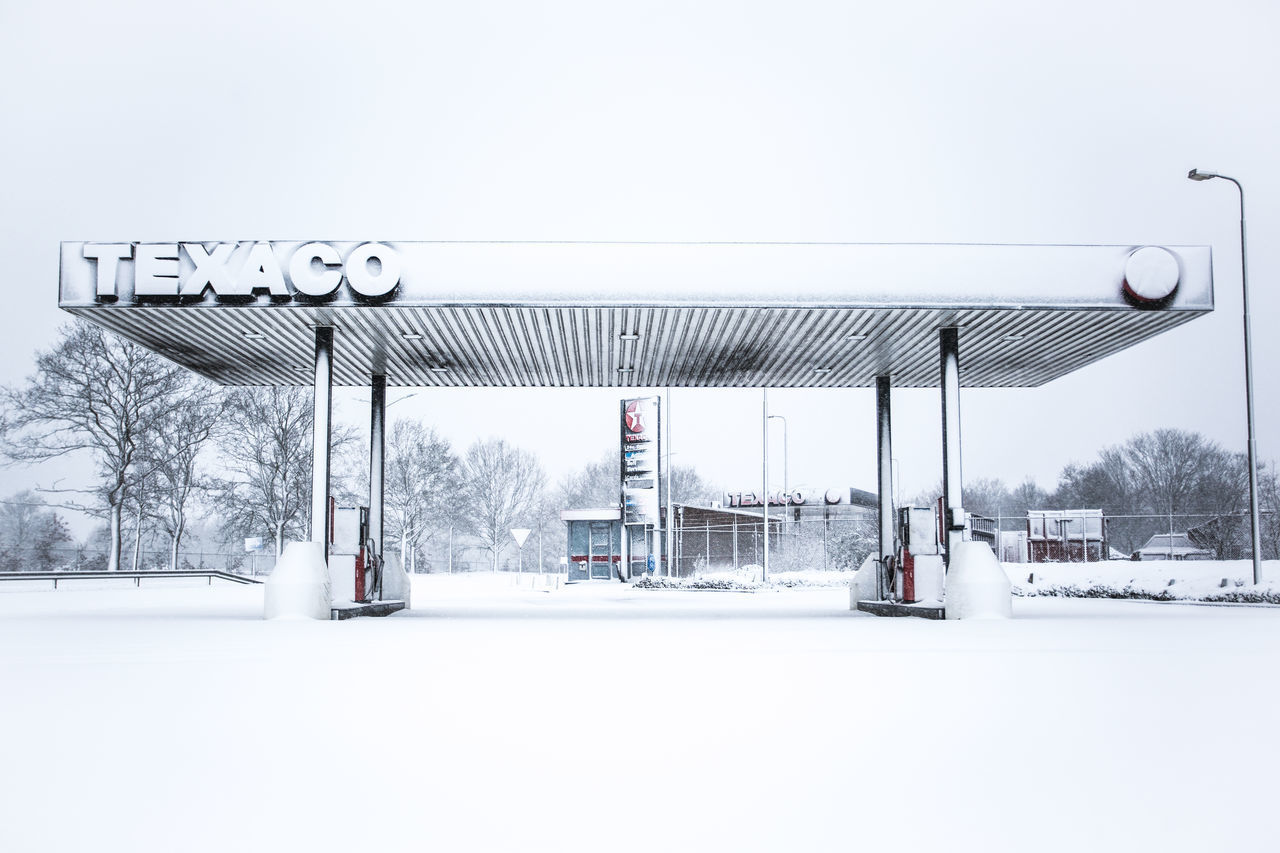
x=779, y=315
x=816, y=315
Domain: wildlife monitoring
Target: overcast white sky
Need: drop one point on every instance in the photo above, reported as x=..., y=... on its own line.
x=1001, y=122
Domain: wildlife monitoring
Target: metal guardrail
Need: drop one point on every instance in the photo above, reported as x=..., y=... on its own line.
x=137, y=577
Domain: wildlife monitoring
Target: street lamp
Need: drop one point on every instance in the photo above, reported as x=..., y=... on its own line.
x=393, y=402
x=1197, y=175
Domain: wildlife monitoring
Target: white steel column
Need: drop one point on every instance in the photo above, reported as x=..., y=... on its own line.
x=976, y=585
x=764, y=487
x=669, y=538
x=952, y=479
x=320, y=437
x=377, y=449
x=884, y=482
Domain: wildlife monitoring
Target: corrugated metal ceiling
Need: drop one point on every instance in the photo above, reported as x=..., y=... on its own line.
x=633, y=347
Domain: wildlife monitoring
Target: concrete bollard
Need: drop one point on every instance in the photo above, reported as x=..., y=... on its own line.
x=298, y=587
x=396, y=583
x=977, y=587
x=863, y=585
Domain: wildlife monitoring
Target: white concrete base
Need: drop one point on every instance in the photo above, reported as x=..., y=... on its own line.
x=863, y=585
x=533, y=580
x=977, y=587
x=298, y=587
x=396, y=583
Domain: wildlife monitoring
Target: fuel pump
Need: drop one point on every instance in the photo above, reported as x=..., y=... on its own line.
x=354, y=568
x=919, y=568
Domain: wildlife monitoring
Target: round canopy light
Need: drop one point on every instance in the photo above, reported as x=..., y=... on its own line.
x=1150, y=276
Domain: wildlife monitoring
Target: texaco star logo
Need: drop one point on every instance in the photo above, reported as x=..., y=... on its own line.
x=635, y=417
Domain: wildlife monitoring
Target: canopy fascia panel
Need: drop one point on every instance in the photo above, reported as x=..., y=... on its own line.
x=628, y=314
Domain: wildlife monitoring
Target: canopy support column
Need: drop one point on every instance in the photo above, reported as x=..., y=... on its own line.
x=884, y=483
x=321, y=435
x=976, y=585
x=764, y=481
x=377, y=450
x=952, y=479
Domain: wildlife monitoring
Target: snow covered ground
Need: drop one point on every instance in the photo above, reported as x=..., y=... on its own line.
x=600, y=717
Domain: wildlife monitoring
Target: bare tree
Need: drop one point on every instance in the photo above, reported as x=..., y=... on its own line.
x=1176, y=471
x=501, y=486
x=992, y=498
x=423, y=481
x=595, y=485
x=174, y=453
x=29, y=533
x=1027, y=496
x=98, y=393
x=349, y=474
x=850, y=543
x=687, y=485
x=1160, y=479
x=986, y=496
x=599, y=484
x=136, y=502
x=267, y=449
x=1105, y=484
x=1269, y=506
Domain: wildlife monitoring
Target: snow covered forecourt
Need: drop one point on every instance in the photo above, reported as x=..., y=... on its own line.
x=497, y=717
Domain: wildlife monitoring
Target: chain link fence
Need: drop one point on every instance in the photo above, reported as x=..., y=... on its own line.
x=1218, y=536
x=835, y=544
x=842, y=544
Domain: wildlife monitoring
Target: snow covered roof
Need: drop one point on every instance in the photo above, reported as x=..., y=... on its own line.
x=1177, y=544
x=633, y=314
x=601, y=514
x=753, y=513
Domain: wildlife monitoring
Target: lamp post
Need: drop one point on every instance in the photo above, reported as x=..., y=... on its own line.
x=1197, y=175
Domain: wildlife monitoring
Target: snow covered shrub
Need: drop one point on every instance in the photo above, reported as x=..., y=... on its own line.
x=1095, y=591
x=1241, y=597
x=720, y=582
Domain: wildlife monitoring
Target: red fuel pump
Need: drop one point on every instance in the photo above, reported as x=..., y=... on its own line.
x=361, y=575
x=354, y=568
x=917, y=538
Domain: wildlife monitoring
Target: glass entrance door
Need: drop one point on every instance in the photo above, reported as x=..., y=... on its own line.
x=600, y=550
